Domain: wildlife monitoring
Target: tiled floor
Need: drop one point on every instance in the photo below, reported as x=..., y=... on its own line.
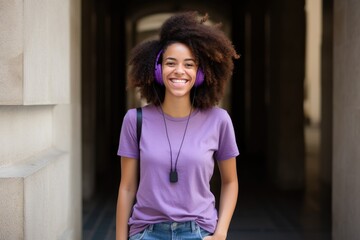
x=279, y=216
x=99, y=219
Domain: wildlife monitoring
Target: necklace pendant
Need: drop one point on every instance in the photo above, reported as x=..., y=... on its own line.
x=173, y=176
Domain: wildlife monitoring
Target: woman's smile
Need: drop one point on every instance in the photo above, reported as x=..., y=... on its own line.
x=179, y=83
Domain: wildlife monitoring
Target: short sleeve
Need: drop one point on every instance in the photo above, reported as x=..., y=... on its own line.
x=227, y=141
x=128, y=146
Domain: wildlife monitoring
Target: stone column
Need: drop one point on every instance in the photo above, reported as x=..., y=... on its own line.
x=40, y=195
x=346, y=120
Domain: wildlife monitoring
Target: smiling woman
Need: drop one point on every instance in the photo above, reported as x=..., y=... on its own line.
x=182, y=77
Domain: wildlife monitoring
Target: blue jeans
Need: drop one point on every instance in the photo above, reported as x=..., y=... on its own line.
x=172, y=231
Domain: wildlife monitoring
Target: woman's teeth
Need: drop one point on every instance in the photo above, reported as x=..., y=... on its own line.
x=178, y=81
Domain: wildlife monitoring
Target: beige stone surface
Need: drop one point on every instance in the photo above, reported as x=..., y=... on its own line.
x=34, y=52
x=11, y=52
x=47, y=207
x=46, y=52
x=24, y=131
x=11, y=208
x=35, y=201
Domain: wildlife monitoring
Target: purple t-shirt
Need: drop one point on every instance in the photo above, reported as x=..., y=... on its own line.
x=210, y=136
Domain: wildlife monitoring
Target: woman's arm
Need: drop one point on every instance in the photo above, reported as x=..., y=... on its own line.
x=228, y=197
x=126, y=195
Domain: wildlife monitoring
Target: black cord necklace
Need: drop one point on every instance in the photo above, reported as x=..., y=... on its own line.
x=173, y=171
x=173, y=176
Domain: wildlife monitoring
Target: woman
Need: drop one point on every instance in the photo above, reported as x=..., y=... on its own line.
x=184, y=133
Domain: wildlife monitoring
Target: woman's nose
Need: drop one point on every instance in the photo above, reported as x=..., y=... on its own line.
x=179, y=69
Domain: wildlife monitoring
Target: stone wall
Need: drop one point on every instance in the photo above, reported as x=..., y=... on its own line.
x=40, y=173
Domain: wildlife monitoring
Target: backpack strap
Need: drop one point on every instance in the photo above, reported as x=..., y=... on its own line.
x=138, y=134
x=138, y=123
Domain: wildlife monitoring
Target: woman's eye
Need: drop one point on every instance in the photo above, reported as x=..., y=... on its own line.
x=189, y=65
x=170, y=64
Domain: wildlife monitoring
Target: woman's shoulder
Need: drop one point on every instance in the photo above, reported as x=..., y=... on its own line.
x=217, y=112
x=130, y=113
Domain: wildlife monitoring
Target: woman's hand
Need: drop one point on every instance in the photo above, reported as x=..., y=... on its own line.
x=228, y=198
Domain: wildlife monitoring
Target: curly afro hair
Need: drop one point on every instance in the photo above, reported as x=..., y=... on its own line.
x=211, y=47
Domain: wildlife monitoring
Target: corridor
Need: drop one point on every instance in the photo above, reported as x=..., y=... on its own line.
x=261, y=213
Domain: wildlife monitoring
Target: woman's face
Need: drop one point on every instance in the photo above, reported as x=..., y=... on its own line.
x=178, y=70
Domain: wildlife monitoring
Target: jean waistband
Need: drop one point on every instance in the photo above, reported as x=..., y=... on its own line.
x=172, y=226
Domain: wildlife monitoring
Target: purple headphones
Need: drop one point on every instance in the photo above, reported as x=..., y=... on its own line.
x=200, y=76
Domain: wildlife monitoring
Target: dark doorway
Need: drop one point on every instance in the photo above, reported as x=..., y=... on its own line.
x=265, y=102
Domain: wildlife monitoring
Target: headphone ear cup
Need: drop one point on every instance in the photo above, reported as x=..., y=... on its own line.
x=157, y=71
x=200, y=77
x=158, y=74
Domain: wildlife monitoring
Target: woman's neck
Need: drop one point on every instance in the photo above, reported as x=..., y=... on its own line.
x=178, y=108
